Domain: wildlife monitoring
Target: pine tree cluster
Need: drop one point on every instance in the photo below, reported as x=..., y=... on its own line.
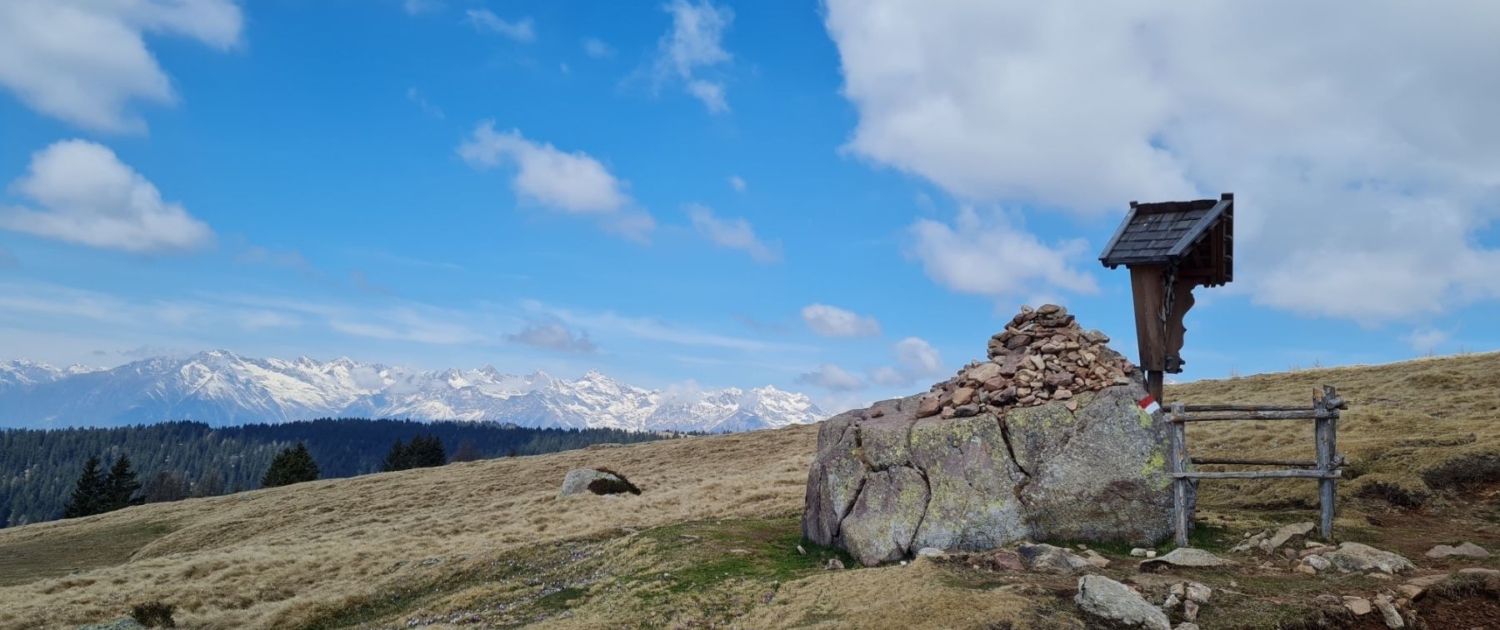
x=293, y=465
x=97, y=494
x=422, y=452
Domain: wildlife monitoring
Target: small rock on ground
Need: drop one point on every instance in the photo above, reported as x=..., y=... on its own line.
x=1352, y=556
x=1357, y=605
x=1184, y=557
x=1465, y=550
x=1049, y=559
x=1116, y=603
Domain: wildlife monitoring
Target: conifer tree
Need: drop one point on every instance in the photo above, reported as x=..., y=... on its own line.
x=427, y=451
x=399, y=458
x=88, y=496
x=293, y=465
x=120, y=485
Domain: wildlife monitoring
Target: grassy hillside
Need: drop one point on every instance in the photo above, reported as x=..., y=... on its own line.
x=713, y=539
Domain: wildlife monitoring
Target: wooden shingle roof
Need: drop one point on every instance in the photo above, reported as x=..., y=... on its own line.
x=1162, y=233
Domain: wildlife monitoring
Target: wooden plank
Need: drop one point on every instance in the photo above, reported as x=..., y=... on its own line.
x=1201, y=408
x=1231, y=461
x=1300, y=414
x=1149, y=294
x=1261, y=474
x=1180, y=517
x=1324, y=432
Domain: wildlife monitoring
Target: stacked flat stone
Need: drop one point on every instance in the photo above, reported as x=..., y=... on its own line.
x=1042, y=355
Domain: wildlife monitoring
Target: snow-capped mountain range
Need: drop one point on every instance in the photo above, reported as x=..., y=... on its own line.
x=221, y=388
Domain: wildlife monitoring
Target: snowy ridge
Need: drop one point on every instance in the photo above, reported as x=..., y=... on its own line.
x=221, y=388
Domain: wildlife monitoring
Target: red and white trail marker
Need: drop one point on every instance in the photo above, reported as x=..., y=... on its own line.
x=1148, y=404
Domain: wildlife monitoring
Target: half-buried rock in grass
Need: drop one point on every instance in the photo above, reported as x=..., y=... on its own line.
x=596, y=481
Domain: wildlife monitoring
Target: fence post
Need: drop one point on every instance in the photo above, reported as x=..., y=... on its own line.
x=1180, y=514
x=1326, y=436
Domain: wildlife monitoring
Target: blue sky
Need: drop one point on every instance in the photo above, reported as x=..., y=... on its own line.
x=845, y=198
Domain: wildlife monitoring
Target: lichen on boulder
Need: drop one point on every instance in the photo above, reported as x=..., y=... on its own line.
x=1051, y=444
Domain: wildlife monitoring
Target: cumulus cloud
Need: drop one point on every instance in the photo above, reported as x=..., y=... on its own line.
x=597, y=49
x=553, y=336
x=86, y=196
x=989, y=254
x=695, y=43
x=522, y=30
x=85, y=62
x=915, y=359
x=832, y=321
x=573, y=183
x=831, y=377
x=1359, y=139
x=733, y=234
x=737, y=183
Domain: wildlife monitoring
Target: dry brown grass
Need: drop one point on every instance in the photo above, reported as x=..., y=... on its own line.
x=271, y=558
x=285, y=557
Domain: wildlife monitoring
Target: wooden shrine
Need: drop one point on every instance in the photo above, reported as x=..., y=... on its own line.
x=1171, y=247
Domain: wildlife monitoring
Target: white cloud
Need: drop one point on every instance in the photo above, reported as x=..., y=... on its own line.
x=915, y=359
x=574, y=183
x=737, y=183
x=88, y=197
x=832, y=321
x=989, y=254
x=85, y=61
x=522, y=30
x=1426, y=340
x=427, y=108
x=711, y=93
x=694, y=43
x=1359, y=139
x=554, y=336
x=733, y=234
x=649, y=329
x=833, y=378
x=597, y=49
x=918, y=357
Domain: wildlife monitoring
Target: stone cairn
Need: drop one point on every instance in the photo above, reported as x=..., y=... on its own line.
x=1042, y=355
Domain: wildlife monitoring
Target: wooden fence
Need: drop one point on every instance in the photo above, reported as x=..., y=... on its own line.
x=1325, y=414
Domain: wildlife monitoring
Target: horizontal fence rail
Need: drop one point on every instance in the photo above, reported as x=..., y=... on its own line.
x=1325, y=414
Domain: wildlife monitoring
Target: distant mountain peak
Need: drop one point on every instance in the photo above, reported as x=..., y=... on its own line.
x=220, y=387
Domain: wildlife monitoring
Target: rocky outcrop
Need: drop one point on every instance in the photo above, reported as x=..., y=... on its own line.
x=1045, y=441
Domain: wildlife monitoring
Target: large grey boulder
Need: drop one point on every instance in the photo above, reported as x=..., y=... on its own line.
x=1118, y=605
x=595, y=481
x=886, y=482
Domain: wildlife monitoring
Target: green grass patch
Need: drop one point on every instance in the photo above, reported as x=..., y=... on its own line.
x=65, y=552
x=707, y=553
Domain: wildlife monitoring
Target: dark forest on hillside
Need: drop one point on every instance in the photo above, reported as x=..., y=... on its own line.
x=39, y=468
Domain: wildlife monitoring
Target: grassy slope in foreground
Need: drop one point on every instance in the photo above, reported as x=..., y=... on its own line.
x=454, y=540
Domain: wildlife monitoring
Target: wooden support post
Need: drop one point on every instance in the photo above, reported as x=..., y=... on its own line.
x=1326, y=435
x=1180, y=516
x=1154, y=386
